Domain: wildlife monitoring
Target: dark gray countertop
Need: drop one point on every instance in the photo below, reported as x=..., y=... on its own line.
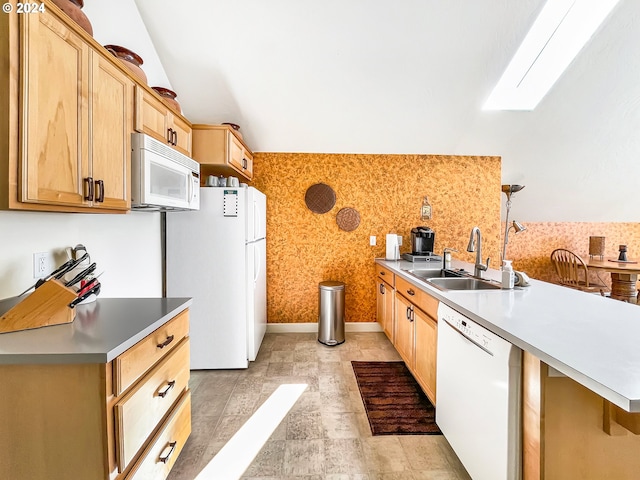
x=101, y=331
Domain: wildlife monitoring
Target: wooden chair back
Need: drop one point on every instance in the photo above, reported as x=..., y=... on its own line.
x=571, y=269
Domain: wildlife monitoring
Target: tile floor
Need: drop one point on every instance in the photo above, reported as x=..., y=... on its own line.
x=326, y=435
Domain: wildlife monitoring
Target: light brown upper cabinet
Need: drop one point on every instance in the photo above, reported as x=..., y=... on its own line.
x=67, y=118
x=157, y=120
x=110, y=126
x=220, y=151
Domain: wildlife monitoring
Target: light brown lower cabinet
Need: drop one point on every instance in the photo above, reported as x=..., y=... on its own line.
x=426, y=332
x=409, y=317
x=404, y=336
x=416, y=334
x=385, y=305
x=570, y=432
x=67, y=421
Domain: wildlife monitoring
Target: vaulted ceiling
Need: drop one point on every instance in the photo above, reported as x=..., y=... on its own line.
x=371, y=76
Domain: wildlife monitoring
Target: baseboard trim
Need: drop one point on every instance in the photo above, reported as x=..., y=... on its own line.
x=313, y=327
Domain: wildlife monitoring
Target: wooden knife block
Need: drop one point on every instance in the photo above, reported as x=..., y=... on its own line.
x=47, y=305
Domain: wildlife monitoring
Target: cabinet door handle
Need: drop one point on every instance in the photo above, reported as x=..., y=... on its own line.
x=411, y=292
x=163, y=392
x=244, y=163
x=166, y=342
x=174, y=137
x=89, y=184
x=409, y=313
x=413, y=315
x=99, y=190
x=170, y=136
x=164, y=457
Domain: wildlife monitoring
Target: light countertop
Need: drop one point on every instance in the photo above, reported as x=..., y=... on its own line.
x=101, y=331
x=591, y=339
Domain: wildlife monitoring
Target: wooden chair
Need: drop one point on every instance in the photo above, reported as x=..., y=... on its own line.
x=573, y=271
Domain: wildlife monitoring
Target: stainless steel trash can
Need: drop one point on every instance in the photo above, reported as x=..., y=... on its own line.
x=331, y=313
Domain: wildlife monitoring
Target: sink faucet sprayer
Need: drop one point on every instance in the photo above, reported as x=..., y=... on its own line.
x=479, y=266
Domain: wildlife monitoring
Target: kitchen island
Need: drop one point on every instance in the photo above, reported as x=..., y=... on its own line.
x=581, y=371
x=103, y=397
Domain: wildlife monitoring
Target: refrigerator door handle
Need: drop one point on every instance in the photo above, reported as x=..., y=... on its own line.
x=256, y=265
x=256, y=219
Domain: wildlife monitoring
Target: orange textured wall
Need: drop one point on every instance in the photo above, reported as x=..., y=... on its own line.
x=530, y=249
x=304, y=248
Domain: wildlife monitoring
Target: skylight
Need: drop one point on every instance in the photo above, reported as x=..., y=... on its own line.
x=557, y=36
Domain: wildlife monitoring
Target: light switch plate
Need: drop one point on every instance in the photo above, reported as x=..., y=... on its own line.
x=372, y=240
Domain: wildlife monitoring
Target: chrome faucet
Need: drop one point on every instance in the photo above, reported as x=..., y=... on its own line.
x=479, y=266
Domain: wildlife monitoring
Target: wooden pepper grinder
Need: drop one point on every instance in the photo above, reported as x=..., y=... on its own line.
x=623, y=253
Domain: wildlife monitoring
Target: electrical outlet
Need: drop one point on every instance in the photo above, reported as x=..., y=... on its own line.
x=399, y=240
x=372, y=240
x=41, y=264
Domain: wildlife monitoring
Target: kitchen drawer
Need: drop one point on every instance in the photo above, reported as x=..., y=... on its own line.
x=158, y=458
x=132, y=364
x=422, y=300
x=385, y=274
x=142, y=408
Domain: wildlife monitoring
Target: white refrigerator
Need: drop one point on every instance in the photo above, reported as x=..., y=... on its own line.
x=217, y=256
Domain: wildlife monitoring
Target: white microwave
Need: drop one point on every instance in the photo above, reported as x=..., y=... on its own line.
x=161, y=177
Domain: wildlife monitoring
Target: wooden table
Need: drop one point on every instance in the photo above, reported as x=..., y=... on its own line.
x=623, y=276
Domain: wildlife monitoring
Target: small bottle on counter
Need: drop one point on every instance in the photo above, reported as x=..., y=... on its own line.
x=446, y=258
x=507, y=275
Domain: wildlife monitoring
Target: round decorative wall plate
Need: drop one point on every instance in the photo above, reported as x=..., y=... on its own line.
x=348, y=219
x=320, y=198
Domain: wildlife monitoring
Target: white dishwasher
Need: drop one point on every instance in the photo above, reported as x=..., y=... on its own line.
x=478, y=385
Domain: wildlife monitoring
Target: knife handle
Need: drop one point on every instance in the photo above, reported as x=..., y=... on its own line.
x=81, y=275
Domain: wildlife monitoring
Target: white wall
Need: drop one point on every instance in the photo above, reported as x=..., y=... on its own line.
x=118, y=22
x=366, y=77
x=125, y=247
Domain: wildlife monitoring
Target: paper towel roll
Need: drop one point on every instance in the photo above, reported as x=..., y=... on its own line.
x=393, y=247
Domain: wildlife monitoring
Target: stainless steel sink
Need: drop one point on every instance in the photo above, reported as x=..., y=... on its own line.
x=425, y=274
x=462, y=283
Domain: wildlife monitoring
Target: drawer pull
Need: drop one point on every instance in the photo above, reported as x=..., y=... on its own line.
x=90, y=193
x=382, y=273
x=166, y=342
x=164, y=458
x=163, y=393
x=100, y=185
x=411, y=292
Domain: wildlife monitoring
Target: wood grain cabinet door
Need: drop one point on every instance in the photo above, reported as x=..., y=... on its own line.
x=111, y=127
x=404, y=335
x=151, y=116
x=182, y=140
x=54, y=115
x=385, y=310
x=236, y=151
x=156, y=120
x=425, y=353
x=247, y=164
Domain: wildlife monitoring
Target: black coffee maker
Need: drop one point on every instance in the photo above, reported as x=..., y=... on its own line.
x=422, y=240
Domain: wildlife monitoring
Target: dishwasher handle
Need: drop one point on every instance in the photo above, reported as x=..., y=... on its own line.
x=484, y=349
